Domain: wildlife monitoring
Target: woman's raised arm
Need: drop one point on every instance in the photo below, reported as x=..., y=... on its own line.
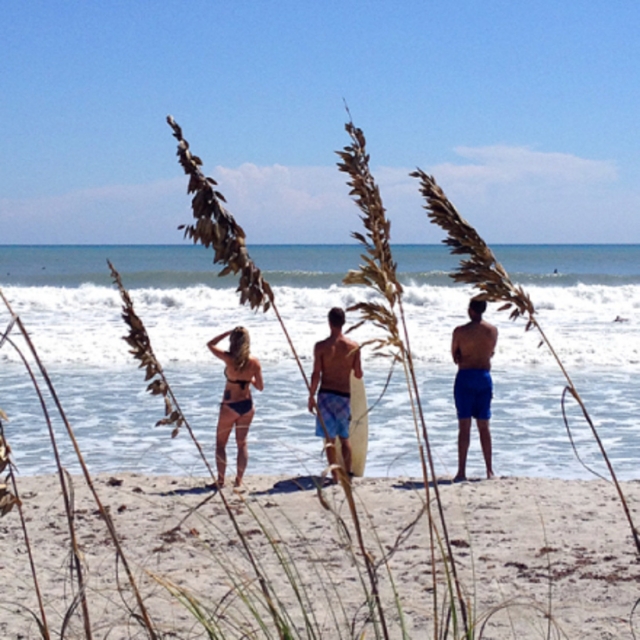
x=216, y=350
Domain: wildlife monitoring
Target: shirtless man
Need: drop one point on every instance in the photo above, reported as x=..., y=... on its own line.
x=472, y=347
x=333, y=361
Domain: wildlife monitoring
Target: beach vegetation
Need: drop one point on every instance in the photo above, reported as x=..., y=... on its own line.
x=217, y=228
x=264, y=610
x=481, y=269
x=77, y=568
x=378, y=272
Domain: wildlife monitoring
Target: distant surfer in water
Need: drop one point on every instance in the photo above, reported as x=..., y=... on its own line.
x=333, y=361
x=472, y=347
x=236, y=409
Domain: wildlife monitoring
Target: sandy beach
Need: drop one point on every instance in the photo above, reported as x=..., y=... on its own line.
x=524, y=548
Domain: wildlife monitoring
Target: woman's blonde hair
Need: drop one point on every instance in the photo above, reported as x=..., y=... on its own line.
x=239, y=347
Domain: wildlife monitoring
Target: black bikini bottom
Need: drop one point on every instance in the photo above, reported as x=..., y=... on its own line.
x=241, y=407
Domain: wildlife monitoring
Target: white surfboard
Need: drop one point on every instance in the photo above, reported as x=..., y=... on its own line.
x=358, y=428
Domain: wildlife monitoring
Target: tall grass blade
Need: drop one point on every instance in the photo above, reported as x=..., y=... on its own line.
x=76, y=563
x=217, y=228
x=378, y=272
x=482, y=270
x=8, y=500
x=141, y=349
x=144, y=616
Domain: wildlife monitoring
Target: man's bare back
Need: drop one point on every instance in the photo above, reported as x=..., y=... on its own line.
x=333, y=361
x=335, y=358
x=473, y=345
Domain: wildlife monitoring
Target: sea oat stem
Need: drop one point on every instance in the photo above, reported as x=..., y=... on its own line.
x=379, y=273
x=484, y=272
x=88, y=479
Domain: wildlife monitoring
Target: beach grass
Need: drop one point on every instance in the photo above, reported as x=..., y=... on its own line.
x=482, y=270
x=378, y=272
x=77, y=569
x=375, y=558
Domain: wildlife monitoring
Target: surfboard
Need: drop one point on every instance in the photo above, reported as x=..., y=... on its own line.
x=358, y=428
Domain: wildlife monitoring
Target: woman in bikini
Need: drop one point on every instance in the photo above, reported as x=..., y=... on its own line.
x=236, y=409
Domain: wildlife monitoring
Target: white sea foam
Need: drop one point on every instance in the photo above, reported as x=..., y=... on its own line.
x=114, y=419
x=83, y=325
x=78, y=332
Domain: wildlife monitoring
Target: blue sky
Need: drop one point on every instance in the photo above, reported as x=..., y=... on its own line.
x=526, y=113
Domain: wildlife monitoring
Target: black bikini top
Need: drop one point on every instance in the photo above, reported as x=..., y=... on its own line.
x=243, y=383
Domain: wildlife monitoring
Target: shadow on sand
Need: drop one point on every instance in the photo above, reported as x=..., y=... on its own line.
x=416, y=485
x=308, y=483
x=290, y=485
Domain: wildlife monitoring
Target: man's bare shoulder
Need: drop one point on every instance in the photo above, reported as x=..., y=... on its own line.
x=463, y=328
x=321, y=345
x=490, y=327
x=352, y=344
x=471, y=327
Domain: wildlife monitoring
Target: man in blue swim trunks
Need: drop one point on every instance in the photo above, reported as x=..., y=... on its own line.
x=472, y=347
x=333, y=361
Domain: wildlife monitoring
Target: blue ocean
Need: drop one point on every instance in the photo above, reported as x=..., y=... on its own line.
x=587, y=300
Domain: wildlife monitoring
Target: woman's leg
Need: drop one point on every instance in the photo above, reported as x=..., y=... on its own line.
x=226, y=420
x=242, y=432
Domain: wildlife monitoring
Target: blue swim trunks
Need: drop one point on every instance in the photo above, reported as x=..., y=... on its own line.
x=335, y=409
x=473, y=391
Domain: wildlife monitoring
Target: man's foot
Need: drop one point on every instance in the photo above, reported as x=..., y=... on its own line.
x=237, y=483
x=490, y=475
x=460, y=478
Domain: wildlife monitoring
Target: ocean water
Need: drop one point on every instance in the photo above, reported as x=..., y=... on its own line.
x=587, y=300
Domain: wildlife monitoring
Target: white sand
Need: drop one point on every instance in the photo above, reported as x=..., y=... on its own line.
x=533, y=544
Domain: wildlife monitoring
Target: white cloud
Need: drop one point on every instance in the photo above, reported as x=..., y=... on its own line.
x=510, y=164
x=144, y=213
x=511, y=195
x=518, y=195
x=518, y=167
x=282, y=191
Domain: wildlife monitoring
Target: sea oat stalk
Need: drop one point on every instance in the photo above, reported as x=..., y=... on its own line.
x=483, y=271
x=141, y=349
x=104, y=513
x=10, y=499
x=379, y=273
x=217, y=228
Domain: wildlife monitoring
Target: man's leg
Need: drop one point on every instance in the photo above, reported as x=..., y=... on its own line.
x=332, y=456
x=485, y=443
x=464, y=437
x=345, y=446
